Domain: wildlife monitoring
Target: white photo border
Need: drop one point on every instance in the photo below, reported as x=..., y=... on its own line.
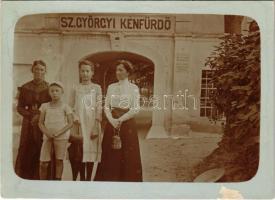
x=261, y=186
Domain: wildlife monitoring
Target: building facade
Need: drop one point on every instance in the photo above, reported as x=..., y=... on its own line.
x=170, y=49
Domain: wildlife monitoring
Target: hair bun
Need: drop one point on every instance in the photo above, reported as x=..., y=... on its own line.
x=127, y=65
x=38, y=62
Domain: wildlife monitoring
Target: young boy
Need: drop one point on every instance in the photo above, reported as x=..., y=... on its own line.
x=55, y=121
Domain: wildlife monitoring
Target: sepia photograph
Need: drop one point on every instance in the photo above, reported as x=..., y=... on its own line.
x=142, y=97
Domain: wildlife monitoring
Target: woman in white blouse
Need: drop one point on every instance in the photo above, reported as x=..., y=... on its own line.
x=120, y=147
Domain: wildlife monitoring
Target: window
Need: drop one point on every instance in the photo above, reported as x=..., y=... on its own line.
x=207, y=109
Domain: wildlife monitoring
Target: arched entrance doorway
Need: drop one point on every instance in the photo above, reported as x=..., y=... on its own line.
x=142, y=76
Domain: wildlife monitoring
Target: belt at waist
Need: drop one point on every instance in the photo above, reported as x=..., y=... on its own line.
x=118, y=112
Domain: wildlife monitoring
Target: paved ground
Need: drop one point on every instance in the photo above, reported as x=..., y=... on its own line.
x=169, y=160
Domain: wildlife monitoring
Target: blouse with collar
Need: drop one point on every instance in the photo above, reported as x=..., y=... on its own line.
x=122, y=94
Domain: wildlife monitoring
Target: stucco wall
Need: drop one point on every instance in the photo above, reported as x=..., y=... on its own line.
x=178, y=57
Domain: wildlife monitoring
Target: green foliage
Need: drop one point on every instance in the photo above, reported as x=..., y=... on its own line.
x=236, y=75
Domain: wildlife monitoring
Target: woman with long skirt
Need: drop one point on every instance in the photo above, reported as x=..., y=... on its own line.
x=121, y=159
x=31, y=95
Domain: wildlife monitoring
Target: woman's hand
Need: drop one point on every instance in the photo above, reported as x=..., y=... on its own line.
x=93, y=136
x=35, y=112
x=94, y=132
x=115, y=123
x=34, y=120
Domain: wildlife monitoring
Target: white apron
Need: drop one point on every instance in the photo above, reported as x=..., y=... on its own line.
x=85, y=110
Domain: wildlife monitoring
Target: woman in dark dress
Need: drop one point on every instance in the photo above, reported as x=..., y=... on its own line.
x=31, y=95
x=120, y=159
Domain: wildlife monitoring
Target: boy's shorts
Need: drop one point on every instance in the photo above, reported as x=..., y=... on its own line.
x=60, y=148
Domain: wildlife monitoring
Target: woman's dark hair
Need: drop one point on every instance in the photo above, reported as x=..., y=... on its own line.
x=126, y=64
x=38, y=62
x=86, y=62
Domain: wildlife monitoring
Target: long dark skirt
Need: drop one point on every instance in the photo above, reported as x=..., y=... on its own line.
x=123, y=164
x=27, y=162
